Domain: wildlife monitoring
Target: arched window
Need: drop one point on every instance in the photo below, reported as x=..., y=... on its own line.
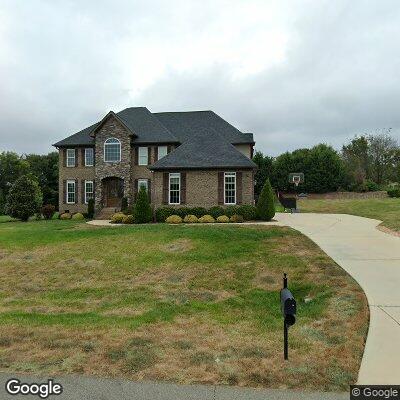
x=112, y=150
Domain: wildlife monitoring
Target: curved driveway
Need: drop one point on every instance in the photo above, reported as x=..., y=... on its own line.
x=372, y=257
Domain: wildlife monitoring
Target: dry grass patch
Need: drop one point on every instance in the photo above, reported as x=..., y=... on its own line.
x=183, y=304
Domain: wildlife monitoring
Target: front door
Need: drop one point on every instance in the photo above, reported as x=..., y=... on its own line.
x=114, y=191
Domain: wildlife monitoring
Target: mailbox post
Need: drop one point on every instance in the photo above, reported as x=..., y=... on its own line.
x=288, y=308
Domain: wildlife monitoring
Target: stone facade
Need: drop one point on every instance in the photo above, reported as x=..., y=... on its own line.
x=201, y=185
x=202, y=188
x=112, y=128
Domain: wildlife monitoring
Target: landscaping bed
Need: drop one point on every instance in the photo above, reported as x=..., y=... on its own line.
x=182, y=304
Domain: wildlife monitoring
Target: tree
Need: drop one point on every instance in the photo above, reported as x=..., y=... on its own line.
x=142, y=212
x=266, y=203
x=45, y=168
x=24, y=198
x=357, y=160
x=12, y=166
x=264, y=171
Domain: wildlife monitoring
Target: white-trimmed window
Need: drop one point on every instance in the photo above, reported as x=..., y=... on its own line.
x=174, y=188
x=70, y=192
x=143, y=156
x=112, y=150
x=143, y=183
x=89, y=191
x=89, y=157
x=230, y=187
x=162, y=151
x=70, y=158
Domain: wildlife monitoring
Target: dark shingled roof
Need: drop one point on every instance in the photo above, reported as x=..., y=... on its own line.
x=206, y=138
x=186, y=124
x=202, y=152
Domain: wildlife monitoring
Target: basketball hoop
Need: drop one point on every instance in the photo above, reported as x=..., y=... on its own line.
x=296, y=178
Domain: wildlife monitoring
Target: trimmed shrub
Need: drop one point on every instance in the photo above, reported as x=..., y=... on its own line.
x=48, y=211
x=65, y=216
x=190, y=219
x=198, y=211
x=174, y=219
x=223, y=219
x=78, y=217
x=182, y=211
x=117, y=218
x=236, y=218
x=90, y=212
x=206, y=219
x=128, y=219
x=124, y=204
x=142, y=210
x=24, y=198
x=163, y=213
x=395, y=192
x=56, y=215
x=371, y=186
x=216, y=211
x=231, y=210
x=248, y=212
x=265, y=203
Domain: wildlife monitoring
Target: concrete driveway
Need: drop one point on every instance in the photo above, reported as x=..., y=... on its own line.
x=372, y=257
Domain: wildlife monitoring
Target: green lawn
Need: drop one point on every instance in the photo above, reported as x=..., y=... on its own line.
x=179, y=303
x=386, y=210
x=5, y=218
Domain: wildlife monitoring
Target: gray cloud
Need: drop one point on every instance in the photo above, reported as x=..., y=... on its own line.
x=293, y=73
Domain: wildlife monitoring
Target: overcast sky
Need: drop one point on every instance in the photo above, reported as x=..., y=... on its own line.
x=295, y=73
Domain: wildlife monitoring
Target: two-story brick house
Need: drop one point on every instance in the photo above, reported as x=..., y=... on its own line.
x=181, y=158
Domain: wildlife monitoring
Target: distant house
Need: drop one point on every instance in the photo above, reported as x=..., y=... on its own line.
x=181, y=158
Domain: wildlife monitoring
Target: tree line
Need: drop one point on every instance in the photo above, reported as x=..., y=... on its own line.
x=367, y=163
x=41, y=168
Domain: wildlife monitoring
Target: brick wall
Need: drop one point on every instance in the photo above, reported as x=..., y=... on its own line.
x=202, y=188
x=80, y=172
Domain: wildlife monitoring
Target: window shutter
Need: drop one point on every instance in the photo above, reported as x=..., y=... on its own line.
x=83, y=188
x=76, y=157
x=183, y=187
x=149, y=156
x=64, y=157
x=136, y=155
x=64, y=190
x=76, y=190
x=149, y=189
x=165, y=187
x=94, y=190
x=220, y=188
x=83, y=161
x=168, y=149
x=155, y=154
x=135, y=189
x=239, y=187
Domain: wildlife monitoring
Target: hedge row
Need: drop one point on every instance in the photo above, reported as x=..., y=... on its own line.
x=247, y=211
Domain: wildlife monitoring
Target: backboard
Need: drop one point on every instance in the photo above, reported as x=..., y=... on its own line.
x=296, y=178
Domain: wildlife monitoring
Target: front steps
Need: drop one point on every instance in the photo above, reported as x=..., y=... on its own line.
x=107, y=213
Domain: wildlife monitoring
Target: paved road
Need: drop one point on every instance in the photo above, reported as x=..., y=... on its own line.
x=81, y=388
x=372, y=257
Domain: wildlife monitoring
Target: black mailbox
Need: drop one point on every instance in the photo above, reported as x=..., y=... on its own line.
x=288, y=306
x=288, y=309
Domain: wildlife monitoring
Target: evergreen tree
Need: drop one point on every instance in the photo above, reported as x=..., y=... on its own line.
x=142, y=212
x=24, y=198
x=266, y=203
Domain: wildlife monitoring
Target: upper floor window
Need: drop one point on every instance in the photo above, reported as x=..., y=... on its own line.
x=89, y=157
x=230, y=188
x=174, y=188
x=112, y=150
x=162, y=151
x=70, y=158
x=143, y=156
